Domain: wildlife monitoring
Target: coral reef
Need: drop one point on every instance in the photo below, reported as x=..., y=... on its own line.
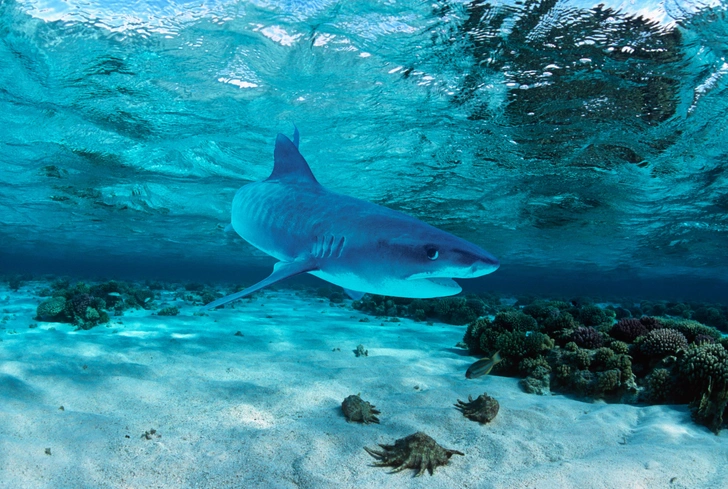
x=417, y=451
x=515, y=334
x=50, y=309
x=713, y=315
x=705, y=369
x=663, y=341
x=538, y=381
x=79, y=306
x=483, y=409
x=592, y=315
x=628, y=330
x=691, y=328
x=168, y=311
x=600, y=374
x=587, y=337
x=577, y=348
x=360, y=351
x=658, y=386
x=450, y=310
x=360, y=411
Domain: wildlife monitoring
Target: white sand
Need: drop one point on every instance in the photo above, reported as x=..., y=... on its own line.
x=263, y=410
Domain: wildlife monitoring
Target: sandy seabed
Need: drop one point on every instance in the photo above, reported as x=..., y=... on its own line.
x=263, y=410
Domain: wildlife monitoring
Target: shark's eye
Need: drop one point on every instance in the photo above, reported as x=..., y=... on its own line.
x=432, y=253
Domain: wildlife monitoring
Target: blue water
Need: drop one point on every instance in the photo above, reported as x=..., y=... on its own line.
x=584, y=146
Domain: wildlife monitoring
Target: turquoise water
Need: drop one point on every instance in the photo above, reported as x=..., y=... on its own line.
x=583, y=146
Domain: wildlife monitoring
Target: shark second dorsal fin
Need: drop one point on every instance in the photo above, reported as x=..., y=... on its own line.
x=288, y=164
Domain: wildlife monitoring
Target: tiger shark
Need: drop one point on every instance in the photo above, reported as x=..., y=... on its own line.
x=360, y=246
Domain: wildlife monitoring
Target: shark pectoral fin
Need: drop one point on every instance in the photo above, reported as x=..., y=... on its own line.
x=354, y=294
x=281, y=270
x=229, y=229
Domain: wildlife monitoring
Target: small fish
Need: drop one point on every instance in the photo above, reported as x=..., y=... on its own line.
x=483, y=366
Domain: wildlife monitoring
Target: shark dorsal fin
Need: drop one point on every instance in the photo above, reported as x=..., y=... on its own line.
x=288, y=164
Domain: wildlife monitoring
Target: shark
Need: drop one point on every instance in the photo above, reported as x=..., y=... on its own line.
x=358, y=245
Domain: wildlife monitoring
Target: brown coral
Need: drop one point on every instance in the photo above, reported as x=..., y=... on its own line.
x=628, y=330
x=483, y=409
x=358, y=410
x=417, y=451
x=588, y=338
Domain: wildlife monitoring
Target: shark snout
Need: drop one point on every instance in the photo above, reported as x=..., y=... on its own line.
x=485, y=264
x=481, y=262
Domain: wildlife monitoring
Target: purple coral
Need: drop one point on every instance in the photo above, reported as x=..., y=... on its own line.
x=588, y=338
x=701, y=338
x=661, y=342
x=651, y=323
x=80, y=303
x=628, y=330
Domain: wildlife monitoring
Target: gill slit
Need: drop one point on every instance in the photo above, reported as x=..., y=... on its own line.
x=328, y=247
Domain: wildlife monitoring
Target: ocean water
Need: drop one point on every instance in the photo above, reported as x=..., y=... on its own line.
x=576, y=143
x=584, y=144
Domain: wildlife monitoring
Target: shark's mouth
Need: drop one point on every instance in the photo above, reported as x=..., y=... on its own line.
x=444, y=282
x=439, y=281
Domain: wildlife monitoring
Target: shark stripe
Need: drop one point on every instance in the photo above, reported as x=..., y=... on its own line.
x=340, y=247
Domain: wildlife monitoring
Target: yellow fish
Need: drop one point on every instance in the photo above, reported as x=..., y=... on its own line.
x=483, y=366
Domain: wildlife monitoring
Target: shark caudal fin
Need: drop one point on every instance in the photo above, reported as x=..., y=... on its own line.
x=288, y=164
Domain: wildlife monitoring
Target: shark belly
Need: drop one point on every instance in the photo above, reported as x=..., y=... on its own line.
x=415, y=289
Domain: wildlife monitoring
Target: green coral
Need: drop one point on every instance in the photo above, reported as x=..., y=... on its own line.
x=658, y=386
x=81, y=304
x=599, y=373
x=168, y=311
x=473, y=333
x=662, y=342
x=608, y=381
x=619, y=347
x=561, y=325
x=581, y=359
x=690, y=328
x=711, y=407
x=459, y=310
x=528, y=365
x=450, y=310
x=92, y=315
x=538, y=381
x=51, y=308
x=603, y=355
x=623, y=363
x=542, y=311
x=514, y=321
x=704, y=363
x=591, y=315
x=713, y=316
x=705, y=370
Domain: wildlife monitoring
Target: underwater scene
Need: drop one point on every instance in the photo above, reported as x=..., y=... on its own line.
x=363, y=244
